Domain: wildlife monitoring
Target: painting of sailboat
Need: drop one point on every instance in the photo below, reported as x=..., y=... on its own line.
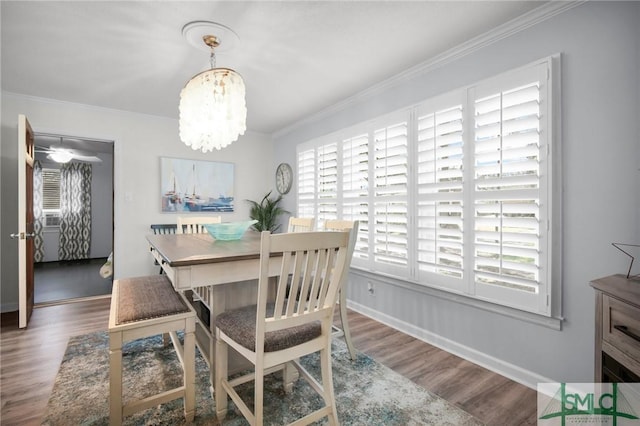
x=196, y=186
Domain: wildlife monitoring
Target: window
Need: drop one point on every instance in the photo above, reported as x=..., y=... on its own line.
x=51, y=197
x=355, y=190
x=327, y=183
x=439, y=192
x=452, y=193
x=390, y=190
x=306, y=194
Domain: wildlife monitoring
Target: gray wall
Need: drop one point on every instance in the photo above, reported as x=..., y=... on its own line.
x=600, y=139
x=102, y=206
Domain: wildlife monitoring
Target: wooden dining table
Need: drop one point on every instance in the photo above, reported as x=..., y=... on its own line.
x=222, y=274
x=196, y=260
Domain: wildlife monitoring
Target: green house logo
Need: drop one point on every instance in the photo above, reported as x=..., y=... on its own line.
x=601, y=404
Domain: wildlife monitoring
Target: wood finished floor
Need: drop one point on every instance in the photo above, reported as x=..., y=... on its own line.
x=30, y=359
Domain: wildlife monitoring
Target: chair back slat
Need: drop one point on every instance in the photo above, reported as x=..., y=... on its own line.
x=316, y=282
x=164, y=228
x=327, y=271
x=296, y=276
x=194, y=224
x=307, y=281
x=281, y=291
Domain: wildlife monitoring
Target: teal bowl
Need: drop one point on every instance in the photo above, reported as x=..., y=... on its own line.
x=228, y=231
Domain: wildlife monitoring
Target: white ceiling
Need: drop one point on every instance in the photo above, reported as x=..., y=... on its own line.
x=297, y=57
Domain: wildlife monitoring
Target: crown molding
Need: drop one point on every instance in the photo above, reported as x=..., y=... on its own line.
x=521, y=23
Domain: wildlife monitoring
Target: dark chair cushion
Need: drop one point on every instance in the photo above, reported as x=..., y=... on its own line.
x=240, y=325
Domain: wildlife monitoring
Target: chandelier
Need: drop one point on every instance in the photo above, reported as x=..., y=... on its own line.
x=212, y=104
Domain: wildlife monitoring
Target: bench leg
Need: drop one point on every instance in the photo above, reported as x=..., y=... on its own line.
x=115, y=379
x=190, y=370
x=221, y=369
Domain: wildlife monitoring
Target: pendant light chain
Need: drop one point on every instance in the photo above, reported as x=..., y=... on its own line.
x=212, y=58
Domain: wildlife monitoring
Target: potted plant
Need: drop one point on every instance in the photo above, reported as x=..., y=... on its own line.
x=266, y=213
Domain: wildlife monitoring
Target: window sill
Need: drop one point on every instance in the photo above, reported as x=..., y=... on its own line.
x=550, y=322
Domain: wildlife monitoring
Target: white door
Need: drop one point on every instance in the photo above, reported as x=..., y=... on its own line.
x=25, y=221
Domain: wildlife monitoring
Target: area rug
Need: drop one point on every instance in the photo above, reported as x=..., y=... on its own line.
x=367, y=393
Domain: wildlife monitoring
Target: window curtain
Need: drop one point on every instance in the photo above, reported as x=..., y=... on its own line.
x=75, y=211
x=38, y=214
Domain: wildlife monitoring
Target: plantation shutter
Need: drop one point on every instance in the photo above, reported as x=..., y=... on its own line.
x=439, y=195
x=306, y=183
x=509, y=161
x=50, y=189
x=355, y=191
x=454, y=193
x=327, y=183
x=390, y=215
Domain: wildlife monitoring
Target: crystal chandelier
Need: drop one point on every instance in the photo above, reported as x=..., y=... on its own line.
x=212, y=106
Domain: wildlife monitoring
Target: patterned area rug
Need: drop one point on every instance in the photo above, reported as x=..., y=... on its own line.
x=367, y=393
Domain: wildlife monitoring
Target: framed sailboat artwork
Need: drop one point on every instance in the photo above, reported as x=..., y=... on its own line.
x=196, y=186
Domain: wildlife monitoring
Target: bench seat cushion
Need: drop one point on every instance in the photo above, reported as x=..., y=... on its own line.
x=142, y=298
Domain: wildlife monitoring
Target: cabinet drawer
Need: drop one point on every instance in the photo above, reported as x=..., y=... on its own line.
x=621, y=326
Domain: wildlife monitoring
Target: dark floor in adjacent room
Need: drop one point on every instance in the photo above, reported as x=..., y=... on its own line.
x=63, y=280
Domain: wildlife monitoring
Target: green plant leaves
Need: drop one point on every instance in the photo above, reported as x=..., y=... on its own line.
x=266, y=213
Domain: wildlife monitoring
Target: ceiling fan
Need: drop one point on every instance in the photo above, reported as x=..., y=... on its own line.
x=61, y=154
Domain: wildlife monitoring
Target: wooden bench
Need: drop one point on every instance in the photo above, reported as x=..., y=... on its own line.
x=142, y=307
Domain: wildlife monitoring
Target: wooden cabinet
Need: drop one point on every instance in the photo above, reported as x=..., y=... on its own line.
x=617, y=345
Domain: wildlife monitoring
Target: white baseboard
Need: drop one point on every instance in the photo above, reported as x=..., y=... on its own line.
x=513, y=372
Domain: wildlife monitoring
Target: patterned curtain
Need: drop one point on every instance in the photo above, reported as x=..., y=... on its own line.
x=38, y=215
x=75, y=211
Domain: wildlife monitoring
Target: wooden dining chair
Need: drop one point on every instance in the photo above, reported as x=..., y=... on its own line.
x=301, y=224
x=272, y=334
x=194, y=224
x=163, y=228
x=353, y=227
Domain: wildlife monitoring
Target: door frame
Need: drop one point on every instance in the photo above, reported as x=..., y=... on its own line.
x=112, y=142
x=26, y=156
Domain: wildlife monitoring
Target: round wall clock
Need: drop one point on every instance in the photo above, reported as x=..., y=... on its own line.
x=284, y=178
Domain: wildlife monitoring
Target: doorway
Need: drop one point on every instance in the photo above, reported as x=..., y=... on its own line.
x=66, y=267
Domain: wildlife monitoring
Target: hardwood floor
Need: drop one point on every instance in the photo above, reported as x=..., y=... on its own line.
x=30, y=360
x=490, y=397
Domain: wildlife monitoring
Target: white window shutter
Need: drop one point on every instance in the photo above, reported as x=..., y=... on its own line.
x=327, y=183
x=306, y=195
x=355, y=191
x=508, y=219
x=439, y=195
x=390, y=212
